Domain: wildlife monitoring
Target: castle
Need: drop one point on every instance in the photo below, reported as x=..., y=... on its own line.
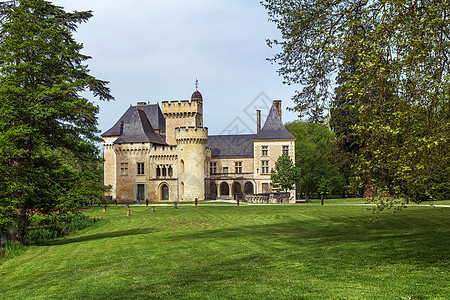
x=165, y=154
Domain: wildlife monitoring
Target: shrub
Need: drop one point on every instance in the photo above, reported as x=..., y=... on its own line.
x=78, y=222
x=40, y=235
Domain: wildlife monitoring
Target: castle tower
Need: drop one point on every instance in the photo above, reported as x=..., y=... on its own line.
x=182, y=114
x=191, y=148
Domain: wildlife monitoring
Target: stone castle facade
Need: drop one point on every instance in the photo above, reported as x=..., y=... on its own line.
x=165, y=154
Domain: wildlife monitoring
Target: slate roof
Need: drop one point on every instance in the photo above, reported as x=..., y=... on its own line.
x=273, y=128
x=238, y=145
x=139, y=130
x=153, y=113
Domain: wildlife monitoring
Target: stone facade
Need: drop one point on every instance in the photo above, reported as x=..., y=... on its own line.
x=167, y=155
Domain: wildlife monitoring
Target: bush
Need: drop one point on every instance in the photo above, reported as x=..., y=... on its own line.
x=78, y=222
x=39, y=236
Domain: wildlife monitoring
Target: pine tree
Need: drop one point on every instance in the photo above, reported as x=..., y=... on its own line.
x=48, y=161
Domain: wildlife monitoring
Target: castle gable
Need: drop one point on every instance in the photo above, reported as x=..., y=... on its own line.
x=152, y=112
x=139, y=130
x=273, y=128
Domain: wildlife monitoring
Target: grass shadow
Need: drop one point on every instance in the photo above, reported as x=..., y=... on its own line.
x=113, y=234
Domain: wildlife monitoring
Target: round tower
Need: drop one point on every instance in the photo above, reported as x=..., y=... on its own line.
x=191, y=148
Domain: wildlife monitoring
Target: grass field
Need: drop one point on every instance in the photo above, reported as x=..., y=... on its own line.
x=248, y=252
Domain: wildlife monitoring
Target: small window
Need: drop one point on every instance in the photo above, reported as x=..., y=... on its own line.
x=265, y=167
x=170, y=171
x=265, y=150
x=140, y=168
x=225, y=170
x=238, y=167
x=123, y=169
x=164, y=171
x=286, y=150
x=212, y=168
x=158, y=171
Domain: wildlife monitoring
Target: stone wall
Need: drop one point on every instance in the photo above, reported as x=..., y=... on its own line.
x=268, y=198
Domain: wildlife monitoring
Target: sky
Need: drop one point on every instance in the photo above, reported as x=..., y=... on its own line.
x=154, y=50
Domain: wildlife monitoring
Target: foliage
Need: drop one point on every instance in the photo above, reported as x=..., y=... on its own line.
x=48, y=161
x=39, y=236
x=324, y=186
x=285, y=174
x=314, y=156
x=389, y=63
x=68, y=223
x=79, y=221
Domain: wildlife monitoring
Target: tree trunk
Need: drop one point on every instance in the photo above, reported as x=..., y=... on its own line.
x=22, y=224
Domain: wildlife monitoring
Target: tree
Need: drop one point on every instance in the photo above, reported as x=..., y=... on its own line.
x=388, y=61
x=314, y=156
x=48, y=161
x=324, y=187
x=285, y=174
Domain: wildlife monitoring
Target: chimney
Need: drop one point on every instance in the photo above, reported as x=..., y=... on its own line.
x=277, y=104
x=141, y=103
x=258, y=121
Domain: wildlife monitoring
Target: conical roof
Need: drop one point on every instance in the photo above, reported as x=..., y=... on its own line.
x=139, y=130
x=196, y=96
x=273, y=128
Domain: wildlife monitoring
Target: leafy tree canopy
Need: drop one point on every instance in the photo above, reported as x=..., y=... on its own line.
x=388, y=63
x=314, y=156
x=48, y=162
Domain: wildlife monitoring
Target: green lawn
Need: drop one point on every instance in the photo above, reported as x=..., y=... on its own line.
x=247, y=252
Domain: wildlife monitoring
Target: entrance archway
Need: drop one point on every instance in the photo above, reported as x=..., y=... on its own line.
x=164, y=192
x=213, y=190
x=237, y=188
x=224, y=189
x=248, y=188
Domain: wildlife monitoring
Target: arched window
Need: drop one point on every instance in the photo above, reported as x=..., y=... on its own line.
x=181, y=166
x=182, y=189
x=164, y=192
x=164, y=171
x=170, y=171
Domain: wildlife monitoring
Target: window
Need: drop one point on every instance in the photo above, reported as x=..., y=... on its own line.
x=170, y=171
x=140, y=168
x=158, y=172
x=265, y=150
x=265, y=167
x=225, y=170
x=123, y=169
x=286, y=150
x=265, y=187
x=164, y=171
x=238, y=167
x=212, y=168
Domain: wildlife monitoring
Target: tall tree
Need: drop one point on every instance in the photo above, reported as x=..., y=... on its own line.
x=397, y=85
x=314, y=156
x=47, y=129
